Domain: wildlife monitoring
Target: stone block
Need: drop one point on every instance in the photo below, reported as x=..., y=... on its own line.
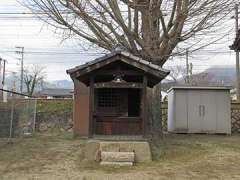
x=117, y=156
x=140, y=148
x=91, y=150
x=116, y=163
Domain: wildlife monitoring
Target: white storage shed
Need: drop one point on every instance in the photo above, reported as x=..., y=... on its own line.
x=199, y=110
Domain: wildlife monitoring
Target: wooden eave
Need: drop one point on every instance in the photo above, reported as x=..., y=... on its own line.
x=148, y=68
x=118, y=85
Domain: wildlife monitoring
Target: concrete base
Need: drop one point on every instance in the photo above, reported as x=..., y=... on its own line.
x=141, y=149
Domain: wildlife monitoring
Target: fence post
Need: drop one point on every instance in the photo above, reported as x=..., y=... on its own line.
x=34, y=115
x=11, y=121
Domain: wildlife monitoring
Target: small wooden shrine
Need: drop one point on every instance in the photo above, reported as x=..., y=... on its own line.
x=110, y=95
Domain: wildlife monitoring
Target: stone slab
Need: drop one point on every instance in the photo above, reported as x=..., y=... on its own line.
x=117, y=156
x=103, y=163
x=141, y=149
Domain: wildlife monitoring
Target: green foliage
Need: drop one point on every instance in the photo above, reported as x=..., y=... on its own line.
x=54, y=105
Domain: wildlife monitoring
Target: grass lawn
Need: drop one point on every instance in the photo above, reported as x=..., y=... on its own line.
x=60, y=157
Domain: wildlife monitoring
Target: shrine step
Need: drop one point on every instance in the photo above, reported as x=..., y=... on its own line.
x=116, y=163
x=140, y=149
x=117, y=158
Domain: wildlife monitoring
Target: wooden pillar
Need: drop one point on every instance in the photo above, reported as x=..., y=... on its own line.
x=91, y=107
x=144, y=107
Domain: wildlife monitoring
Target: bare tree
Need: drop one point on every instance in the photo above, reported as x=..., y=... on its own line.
x=203, y=79
x=177, y=73
x=151, y=29
x=32, y=77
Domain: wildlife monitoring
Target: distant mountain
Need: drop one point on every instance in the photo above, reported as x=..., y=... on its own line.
x=64, y=84
x=59, y=84
x=224, y=75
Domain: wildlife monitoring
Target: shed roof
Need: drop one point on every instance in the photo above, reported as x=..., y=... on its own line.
x=125, y=57
x=200, y=88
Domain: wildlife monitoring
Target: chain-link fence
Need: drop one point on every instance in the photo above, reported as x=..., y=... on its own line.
x=54, y=114
x=17, y=115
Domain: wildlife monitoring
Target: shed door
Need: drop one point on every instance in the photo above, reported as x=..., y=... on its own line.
x=223, y=102
x=195, y=119
x=181, y=111
x=209, y=111
x=202, y=111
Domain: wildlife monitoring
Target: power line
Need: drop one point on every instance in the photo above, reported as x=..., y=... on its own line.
x=54, y=53
x=46, y=13
x=20, y=13
x=13, y=92
x=81, y=52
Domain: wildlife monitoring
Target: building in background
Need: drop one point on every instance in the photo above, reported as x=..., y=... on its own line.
x=199, y=110
x=55, y=93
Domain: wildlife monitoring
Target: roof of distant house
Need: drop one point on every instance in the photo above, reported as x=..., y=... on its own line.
x=55, y=92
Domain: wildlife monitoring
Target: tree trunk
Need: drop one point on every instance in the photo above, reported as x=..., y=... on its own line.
x=157, y=114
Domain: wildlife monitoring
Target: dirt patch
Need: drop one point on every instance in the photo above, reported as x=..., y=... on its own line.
x=59, y=156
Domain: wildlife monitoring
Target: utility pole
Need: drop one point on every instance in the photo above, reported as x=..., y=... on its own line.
x=4, y=71
x=0, y=70
x=237, y=57
x=21, y=51
x=190, y=73
x=3, y=94
x=187, y=67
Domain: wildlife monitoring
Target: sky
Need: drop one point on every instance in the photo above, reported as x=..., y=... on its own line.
x=46, y=48
x=42, y=46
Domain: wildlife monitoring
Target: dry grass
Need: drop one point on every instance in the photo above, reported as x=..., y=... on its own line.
x=59, y=156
